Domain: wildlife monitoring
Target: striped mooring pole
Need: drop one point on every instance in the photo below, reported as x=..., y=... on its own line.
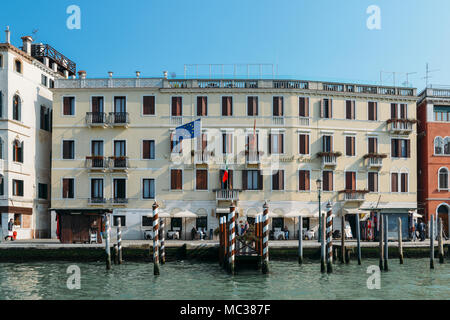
x=221, y=244
x=300, y=239
x=386, y=242
x=232, y=238
x=381, y=238
x=265, y=244
x=329, y=238
x=107, y=247
x=155, y=240
x=119, y=240
x=163, y=240
x=225, y=242
x=432, y=242
x=257, y=234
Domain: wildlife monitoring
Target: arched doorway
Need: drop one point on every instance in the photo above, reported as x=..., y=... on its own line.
x=443, y=213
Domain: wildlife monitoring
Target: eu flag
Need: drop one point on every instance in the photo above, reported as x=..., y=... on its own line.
x=189, y=130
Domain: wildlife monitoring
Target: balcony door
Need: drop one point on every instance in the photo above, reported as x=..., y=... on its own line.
x=120, y=148
x=350, y=180
x=97, y=190
x=119, y=189
x=120, y=105
x=97, y=104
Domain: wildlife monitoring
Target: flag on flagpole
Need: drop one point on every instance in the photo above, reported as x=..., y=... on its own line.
x=190, y=130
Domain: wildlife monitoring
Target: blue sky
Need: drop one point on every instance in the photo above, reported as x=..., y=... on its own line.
x=322, y=39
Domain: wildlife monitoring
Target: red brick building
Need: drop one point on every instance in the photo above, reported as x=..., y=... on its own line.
x=433, y=143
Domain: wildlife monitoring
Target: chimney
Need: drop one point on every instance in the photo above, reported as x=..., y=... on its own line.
x=138, y=74
x=165, y=74
x=47, y=62
x=8, y=35
x=82, y=74
x=110, y=73
x=55, y=67
x=27, y=44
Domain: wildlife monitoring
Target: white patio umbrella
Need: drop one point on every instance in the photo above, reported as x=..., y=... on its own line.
x=184, y=214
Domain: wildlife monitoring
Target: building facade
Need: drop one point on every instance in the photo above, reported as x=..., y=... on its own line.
x=433, y=112
x=26, y=76
x=115, y=150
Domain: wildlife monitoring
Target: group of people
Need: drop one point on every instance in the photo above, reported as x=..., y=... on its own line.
x=421, y=228
x=200, y=232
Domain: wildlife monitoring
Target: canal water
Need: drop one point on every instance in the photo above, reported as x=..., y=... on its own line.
x=191, y=280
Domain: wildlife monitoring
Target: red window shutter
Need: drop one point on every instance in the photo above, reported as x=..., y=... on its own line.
x=244, y=179
x=375, y=109
x=95, y=104
x=306, y=107
x=330, y=115
x=149, y=105
x=375, y=182
x=393, y=111
x=67, y=105
x=281, y=179
x=348, y=107
x=326, y=182
x=65, y=188
x=353, y=139
x=229, y=106
x=348, y=181
x=281, y=142
x=404, y=179
x=146, y=149
x=393, y=144
x=371, y=184
x=307, y=182
x=306, y=144
x=301, y=107
x=322, y=103
x=301, y=180
x=403, y=111
x=179, y=180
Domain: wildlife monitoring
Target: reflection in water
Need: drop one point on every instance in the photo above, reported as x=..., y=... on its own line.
x=189, y=280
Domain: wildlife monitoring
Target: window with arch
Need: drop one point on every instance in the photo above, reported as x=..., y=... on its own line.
x=18, y=66
x=447, y=145
x=16, y=108
x=438, y=145
x=17, y=151
x=443, y=179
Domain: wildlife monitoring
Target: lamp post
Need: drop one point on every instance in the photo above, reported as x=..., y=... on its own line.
x=319, y=189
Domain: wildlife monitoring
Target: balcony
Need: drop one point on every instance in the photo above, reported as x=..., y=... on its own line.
x=96, y=163
x=253, y=157
x=278, y=121
x=329, y=159
x=353, y=195
x=400, y=126
x=96, y=119
x=227, y=195
x=176, y=120
x=119, y=119
x=119, y=201
x=303, y=121
x=374, y=160
x=97, y=201
x=201, y=157
x=119, y=163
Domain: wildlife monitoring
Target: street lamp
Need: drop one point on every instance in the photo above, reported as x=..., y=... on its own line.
x=319, y=189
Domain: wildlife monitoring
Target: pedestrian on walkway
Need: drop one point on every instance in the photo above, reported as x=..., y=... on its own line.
x=10, y=230
x=422, y=228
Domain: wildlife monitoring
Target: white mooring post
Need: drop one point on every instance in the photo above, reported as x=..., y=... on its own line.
x=232, y=237
x=329, y=226
x=300, y=239
x=163, y=238
x=155, y=240
x=265, y=221
x=107, y=248
x=119, y=240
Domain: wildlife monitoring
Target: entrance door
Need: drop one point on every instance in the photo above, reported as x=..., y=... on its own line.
x=443, y=212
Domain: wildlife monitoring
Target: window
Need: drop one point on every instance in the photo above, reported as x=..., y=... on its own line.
x=177, y=106
x=42, y=191
x=443, y=179
x=1, y=61
x=350, y=180
x=68, y=188
x=16, y=108
x=201, y=180
x=227, y=106
x=120, y=105
x=394, y=182
x=148, y=149
x=202, y=142
x=44, y=80
x=400, y=148
x=304, y=180
x=350, y=146
x=326, y=109
x=404, y=182
x=327, y=143
x=447, y=145
x=276, y=143
x=252, y=106
x=303, y=107
x=148, y=188
x=123, y=220
x=69, y=106
x=202, y=106
x=149, y=106
x=45, y=118
x=438, y=145
x=303, y=143
x=18, y=66
x=17, y=188
x=350, y=110
x=372, y=111
x=227, y=143
x=227, y=185
x=97, y=189
x=441, y=113
x=147, y=221
x=120, y=148
x=373, y=145
x=399, y=112
x=119, y=189
x=373, y=181
x=327, y=178
x=52, y=83
x=176, y=181
x=18, y=220
x=252, y=180
x=1, y=104
x=278, y=106
x=97, y=105
x=68, y=149
x=2, y=185
x=97, y=148
x=278, y=180
x=1, y=148
x=17, y=151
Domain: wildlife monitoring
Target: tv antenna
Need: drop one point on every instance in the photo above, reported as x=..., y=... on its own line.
x=34, y=33
x=427, y=74
x=394, y=74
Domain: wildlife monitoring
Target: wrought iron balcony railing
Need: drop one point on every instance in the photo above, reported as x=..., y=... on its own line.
x=96, y=118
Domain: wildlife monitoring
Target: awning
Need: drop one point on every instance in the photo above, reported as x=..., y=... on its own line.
x=185, y=214
x=352, y=211
x=160, y=214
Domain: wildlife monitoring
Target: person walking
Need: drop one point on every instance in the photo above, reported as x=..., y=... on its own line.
x=421, y=228
x=10, y=230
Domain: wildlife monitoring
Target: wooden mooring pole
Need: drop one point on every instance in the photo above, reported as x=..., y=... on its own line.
x=265, y=244
x=358, y=238
x=155, y=240
x=441, y=242
x=386, y=242
x=329, y=225
x=232, y=236
x=225, y=242
x=400, y=240
x=431, y=242
x=107, y=245
x=116, y=254
x=119, y=241
x=300, y=239
x=381, y=238
x=163, y=241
